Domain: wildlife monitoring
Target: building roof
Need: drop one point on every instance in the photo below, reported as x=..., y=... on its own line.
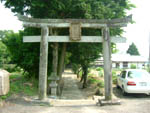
x=128, y=58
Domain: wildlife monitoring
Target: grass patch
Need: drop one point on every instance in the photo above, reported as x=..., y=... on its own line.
x=96, y=80
x=92, y=80
x=20, y=84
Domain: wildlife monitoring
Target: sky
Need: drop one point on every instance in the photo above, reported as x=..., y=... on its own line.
x=139, y=32
x=8, y=21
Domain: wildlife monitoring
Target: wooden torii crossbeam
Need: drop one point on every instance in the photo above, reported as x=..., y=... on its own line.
x=45, y=24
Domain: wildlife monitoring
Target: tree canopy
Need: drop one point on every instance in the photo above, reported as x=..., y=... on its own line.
x=4, y=54
x=87, y=9
x=132, y=50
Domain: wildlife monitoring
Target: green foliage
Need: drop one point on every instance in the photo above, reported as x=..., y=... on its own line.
x=133, y=66
x=83, y=56
x=95, y=80
x=3, y=33
x=20, y=84
x=80, y=73
x=10, y=67
x=101, y=71
x=114, y=79
x=132, y=50
x=114, y=75
x=100, y=84
x=76, y=68
x=99, y=68
x=4, y=55
x=26, y=55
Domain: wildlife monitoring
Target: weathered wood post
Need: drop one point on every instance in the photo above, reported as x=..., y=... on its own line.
x=43, y=63
x=107, y=63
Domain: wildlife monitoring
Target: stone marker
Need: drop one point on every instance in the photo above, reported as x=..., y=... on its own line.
x=53, y=85
x=4, y=82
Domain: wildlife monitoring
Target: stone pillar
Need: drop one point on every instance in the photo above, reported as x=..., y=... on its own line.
x=53, y=85
x=107, y=63
x=43, y=63
x=54, y=77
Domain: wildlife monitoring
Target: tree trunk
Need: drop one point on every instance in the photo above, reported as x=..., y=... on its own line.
x=43, y=63
x=60, y=69
x=61, y=61
x=55, y=58
x=82, y=77
x=85, y=70
x=78, y=72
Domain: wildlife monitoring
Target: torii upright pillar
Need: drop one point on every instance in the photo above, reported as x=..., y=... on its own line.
x=107, y=63
x=66, y=23
x=43, y=63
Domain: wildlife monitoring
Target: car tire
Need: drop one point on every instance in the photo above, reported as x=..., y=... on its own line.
x=117, y=86
x=124, y=93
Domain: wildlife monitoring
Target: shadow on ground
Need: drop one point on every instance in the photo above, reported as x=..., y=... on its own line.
x=118, y=93
x=20, y=100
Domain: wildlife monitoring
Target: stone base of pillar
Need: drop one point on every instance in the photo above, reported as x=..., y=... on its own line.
x=53, y=89
x=45, y=102
x=103, y=102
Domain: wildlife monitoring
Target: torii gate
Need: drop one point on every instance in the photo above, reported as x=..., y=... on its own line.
x=75, y=26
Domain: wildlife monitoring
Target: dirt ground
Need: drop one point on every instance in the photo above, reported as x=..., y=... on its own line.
x=76, y=100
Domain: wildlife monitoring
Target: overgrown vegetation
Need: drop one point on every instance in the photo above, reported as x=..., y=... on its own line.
x=4, y=54
x=21, y=85
x=101, y=71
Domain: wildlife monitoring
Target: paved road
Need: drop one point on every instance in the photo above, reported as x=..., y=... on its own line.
x=73, y=101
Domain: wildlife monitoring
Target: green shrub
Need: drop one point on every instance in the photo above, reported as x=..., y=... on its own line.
x=92, y=80
x=101, y=71
x=133, y=66
x=95, y=80
x=114, y=79
x=114, y=76
x=25, y=55
x=100, y=84
x=11, y=68
x=114, y=73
